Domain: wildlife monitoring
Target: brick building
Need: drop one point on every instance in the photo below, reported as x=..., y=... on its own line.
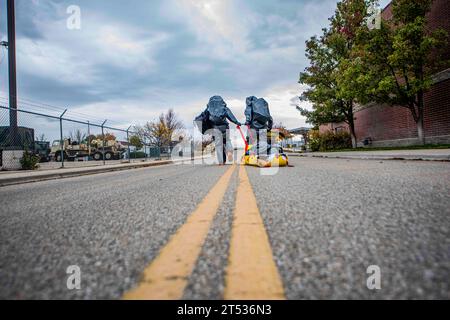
x=394, y=126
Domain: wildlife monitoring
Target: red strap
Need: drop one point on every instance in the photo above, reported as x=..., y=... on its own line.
x=243, y=138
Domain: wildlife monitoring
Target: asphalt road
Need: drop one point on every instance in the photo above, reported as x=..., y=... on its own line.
x=327, y=220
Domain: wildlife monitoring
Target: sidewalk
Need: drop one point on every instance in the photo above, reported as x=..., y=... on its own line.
x=423, y=154
x=19, y=177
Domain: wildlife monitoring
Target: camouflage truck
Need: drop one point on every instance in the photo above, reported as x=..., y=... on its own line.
x=74, y=150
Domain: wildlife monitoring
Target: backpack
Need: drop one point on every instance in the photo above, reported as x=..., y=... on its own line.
x=261, y=112
x=203, y=123
x=217, y=110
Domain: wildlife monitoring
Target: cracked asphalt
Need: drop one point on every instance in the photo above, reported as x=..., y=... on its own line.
x=327, y=220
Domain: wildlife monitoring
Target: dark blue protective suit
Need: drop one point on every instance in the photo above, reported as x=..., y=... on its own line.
x=259, y=124
x=219, y=114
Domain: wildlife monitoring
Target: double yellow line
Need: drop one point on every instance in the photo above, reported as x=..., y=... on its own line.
x=251, y=272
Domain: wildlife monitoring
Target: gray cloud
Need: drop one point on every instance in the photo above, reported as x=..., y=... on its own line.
x=139, y=58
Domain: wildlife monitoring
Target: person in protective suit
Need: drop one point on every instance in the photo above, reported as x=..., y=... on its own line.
x=219, y=114
x=258, y=118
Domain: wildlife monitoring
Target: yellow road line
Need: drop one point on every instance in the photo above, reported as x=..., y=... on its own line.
x=251, y=271
x=166, y=277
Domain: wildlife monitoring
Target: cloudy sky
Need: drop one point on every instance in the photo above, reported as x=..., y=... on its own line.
x=133, y=59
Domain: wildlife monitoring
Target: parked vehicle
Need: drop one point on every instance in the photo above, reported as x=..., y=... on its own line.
x=24, y=140
x=42, y=150
x=74, y=150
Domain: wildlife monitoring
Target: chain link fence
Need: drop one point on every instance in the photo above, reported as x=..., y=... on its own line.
x=43, y=141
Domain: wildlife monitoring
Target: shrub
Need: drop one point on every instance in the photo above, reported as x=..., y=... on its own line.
x=29, y=161
x=314, y=140
x=329, y=141
x=137, y=155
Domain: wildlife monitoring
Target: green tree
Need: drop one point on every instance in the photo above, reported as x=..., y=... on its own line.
x=328, y=56
x=320, y=78
x=136, y=142
x=395, y=63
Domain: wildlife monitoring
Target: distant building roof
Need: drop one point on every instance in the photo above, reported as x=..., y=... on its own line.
x=301, y=130
x=124, y=143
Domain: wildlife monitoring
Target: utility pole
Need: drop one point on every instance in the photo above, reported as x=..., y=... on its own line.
x=13, y=152
x=12, y=71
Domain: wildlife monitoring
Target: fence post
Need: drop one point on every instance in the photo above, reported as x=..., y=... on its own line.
x=89, y=140
x=103, y=142
x=145, y=149
x=128, y=140
x=61, y=141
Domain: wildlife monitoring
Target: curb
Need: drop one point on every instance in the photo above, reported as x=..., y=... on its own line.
x=88, y=171
x=377, y=157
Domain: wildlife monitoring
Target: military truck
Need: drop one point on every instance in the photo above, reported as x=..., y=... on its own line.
x=42, y=150
x=74, y=150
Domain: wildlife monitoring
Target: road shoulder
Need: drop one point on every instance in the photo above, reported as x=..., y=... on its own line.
x=417, y=155
x=21, y=177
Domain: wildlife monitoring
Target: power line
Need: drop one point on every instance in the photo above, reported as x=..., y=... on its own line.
x=44, y=106
x=93, y=122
